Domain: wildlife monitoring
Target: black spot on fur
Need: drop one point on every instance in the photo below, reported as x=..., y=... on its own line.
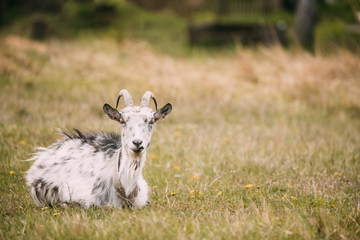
x=55, y=191
x=99, y=186
x=65, y=159
x=45, y=194
x=102, y=190
x=41, y=166
x=39, y=186
x=105, y=197
x=100, y=141
x=54, y=198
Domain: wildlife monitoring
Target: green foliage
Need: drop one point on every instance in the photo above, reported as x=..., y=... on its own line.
x=332, y=29
x=334, y=34
x=166, y=31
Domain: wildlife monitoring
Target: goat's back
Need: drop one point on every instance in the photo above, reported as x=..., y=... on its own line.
x=75, y=169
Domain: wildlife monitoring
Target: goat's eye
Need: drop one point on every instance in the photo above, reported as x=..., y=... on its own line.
x=151, y=121
x=122, y=121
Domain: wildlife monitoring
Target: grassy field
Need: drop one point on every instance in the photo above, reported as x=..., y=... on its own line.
x=261, y=144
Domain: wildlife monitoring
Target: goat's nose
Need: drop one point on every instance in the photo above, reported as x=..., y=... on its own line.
x=137, y=142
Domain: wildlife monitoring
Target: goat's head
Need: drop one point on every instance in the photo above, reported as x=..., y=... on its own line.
x=136, y=121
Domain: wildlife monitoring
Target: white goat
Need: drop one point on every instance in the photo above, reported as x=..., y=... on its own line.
x=95, y=168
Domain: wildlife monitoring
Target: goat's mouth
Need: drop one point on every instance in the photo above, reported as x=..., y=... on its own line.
x=137, y=149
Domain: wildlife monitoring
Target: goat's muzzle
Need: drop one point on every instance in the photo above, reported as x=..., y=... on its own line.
x=138, y=148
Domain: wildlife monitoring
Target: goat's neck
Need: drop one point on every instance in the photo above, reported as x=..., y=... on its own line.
x=130, y=169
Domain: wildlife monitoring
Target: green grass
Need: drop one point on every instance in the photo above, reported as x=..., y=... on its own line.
x=287, y=123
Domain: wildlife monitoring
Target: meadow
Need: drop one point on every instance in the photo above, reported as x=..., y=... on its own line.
x=261, y=144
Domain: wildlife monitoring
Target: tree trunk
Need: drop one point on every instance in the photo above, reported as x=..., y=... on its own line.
x=305, y=21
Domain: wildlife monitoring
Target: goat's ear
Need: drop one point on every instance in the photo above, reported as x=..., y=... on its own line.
x=112, y=112
x=162, y=112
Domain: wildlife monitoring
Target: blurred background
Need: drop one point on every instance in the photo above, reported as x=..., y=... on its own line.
x=177, y=26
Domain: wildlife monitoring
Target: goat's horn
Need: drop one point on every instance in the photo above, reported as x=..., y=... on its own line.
x=127, y=97
x=146, y=99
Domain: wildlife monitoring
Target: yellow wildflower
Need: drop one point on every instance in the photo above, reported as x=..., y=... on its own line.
x=295, y=184
x=194, y=177
x=319, y=191
x=176, y=167
x=154, y=186
x=227, y=139
x=55, y=213
x=152, y=157
x=172, y=193
x=21, y=207
x=219, y=193
x=44, y=208
x=12, y=172
x=249, y=186
x=192, y=191
x=293, y=197
x=177, y=133
x=22, y=142
x=201, y=192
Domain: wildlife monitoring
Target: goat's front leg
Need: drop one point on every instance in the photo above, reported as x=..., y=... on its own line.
x=142, y=196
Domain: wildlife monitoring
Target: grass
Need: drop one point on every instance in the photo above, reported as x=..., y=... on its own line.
x=261, y=144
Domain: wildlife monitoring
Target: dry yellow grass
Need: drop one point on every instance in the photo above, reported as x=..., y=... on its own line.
x=260, y=144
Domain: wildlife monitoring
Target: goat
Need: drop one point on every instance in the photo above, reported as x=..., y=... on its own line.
x=97, y=168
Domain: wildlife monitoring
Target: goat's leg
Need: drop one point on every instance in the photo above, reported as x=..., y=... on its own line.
x=142, y=197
